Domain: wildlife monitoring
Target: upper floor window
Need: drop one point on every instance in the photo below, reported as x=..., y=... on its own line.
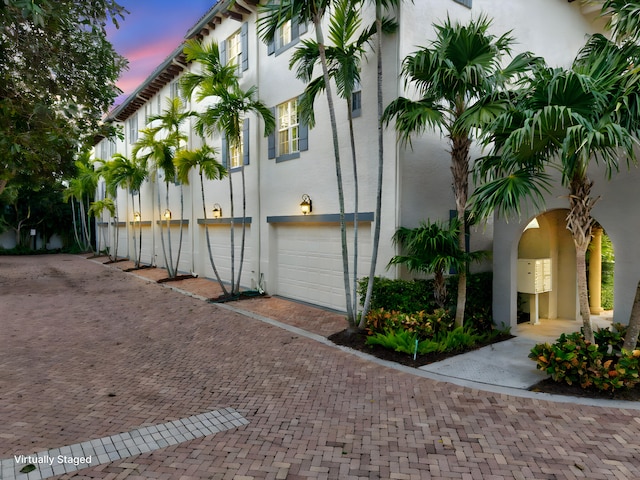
x=107, y=149
x=133, y=128
x=291, y=137
x=286, y=35
x=356, y=100
x=235, y=49
x=237, y=155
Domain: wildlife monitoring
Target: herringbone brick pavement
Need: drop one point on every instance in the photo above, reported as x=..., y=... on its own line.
x=88, y=351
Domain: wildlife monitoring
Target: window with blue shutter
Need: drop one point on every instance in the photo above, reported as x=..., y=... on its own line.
x=291, y=136
x=466, y=3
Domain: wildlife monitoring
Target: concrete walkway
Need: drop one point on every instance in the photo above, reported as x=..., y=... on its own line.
x=95, y=360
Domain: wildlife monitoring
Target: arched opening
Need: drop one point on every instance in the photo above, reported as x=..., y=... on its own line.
x=546, y=251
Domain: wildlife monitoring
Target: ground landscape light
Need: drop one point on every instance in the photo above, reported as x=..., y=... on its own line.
x=217, y=210
x=306, y=206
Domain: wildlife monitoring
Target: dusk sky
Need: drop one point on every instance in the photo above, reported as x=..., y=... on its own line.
x=150, y=32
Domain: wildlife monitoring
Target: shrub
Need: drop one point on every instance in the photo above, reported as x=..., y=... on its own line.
x=423, y=324
x=398, y=340
x=411, y=296
x=601, y=365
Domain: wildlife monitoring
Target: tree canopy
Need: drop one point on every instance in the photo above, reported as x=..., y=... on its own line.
x=58, y=74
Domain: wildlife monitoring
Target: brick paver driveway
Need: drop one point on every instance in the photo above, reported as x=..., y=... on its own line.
x=88, y=351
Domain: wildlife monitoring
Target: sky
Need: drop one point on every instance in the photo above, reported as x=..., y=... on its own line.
x=149, y=33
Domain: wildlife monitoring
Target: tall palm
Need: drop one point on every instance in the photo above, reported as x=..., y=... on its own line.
x=130, y=174
x=208, y=167
x=81, y=189
x=97, y=208
x=273, y=15
x=158, y=144
x=344, y=58
x=227, y=116
x=567, y=119
x=458, y=70
x=382, y=7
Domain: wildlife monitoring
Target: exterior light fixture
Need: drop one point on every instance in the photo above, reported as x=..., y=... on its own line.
x=167, y=214
x=136, y=217
x=306, y=205
x=532, y=224
x=217, y=210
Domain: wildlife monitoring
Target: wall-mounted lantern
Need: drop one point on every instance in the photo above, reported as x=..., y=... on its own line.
x=136, y=217
x=306, y=205
x=217, y=210
x=167, y=214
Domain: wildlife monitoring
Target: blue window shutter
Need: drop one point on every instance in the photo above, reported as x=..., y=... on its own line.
x=244, y=40
x=222, y=47
x=272, y=137
x=225, y=153
x=295, y=29
x=245, y=141
x=303, y=134
x=302, y=28
x=271, y=46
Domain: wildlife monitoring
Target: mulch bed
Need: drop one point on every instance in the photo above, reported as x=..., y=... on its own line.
x=357, y=341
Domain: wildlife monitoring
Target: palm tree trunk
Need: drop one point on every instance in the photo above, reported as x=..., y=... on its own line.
x=376, y=231
x=206, y=232
x=633, y=330
x=352, y=139
x=164, y=250
x=170, y=270
x=460, y=170
x=73, y=219
x=135, y=243
x=232, y=233
x=177, y=264
x=336, y=151
x=579, y=223
x=139, y=230
x=244, y=228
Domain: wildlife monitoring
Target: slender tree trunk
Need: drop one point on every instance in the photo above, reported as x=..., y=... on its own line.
x=631, y=338
x=376, y=231
x=136, y=264
x=75, y=224
x=232, y=233
x=579, y=223
x=244, y=228
x=160, y=217
x=336, y=151
x=177, y=264
x=139, y=230
x=170, y=270
x=206, y=232
x=460, y=171
x=354, y=160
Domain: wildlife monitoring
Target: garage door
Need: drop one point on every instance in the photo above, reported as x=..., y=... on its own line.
x=308, y=262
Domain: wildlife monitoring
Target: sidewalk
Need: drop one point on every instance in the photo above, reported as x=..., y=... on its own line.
x=151, y=383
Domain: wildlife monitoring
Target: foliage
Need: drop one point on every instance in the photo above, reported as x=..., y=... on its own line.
x=423, y=324
x=445, y=341
x=410, y=296
x=58, y=74
x=602, y=365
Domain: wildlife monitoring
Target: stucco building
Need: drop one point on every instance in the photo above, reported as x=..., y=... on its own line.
x=298, y=256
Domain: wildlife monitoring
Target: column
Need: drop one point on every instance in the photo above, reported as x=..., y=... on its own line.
x=595, y=272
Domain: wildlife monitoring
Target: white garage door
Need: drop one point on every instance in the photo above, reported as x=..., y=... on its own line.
x=308, y=263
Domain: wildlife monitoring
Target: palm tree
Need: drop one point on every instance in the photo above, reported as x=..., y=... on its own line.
x=81, y=189
x=382, y=6
x=625, y=18
x=433, y=248
x=565, y=118
x=344, y=58
x=208, y=167
x=130, y=174
x=460, y=69
x=272, y=17
x=227, y=116
x=97, y=208
x=161, y=152
x=232, y=105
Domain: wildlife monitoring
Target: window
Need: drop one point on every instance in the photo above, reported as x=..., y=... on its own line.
x=237, y=155
x=291, y=137
x=286, y=35
x=133, y=128
x=287, y=115
x=356, y=100
x=107, y=149
x=174, y=90
x=235, y=49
